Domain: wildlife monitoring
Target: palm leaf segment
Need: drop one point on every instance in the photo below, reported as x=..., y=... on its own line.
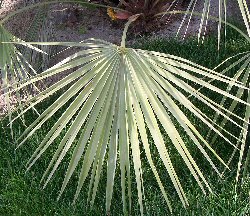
x=120, y=97
x=222, y=8
x=222, y=5
x=14, y=68
x=242, y=74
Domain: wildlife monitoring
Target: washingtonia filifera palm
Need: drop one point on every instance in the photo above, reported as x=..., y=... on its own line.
x=119, y=99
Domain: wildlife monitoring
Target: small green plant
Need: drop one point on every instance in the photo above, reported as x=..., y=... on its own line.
x=82, y=30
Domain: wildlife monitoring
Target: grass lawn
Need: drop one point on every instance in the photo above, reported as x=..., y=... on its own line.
x=22, y=194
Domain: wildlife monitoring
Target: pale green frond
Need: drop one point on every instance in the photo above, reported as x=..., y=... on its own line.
x=84, y=81
x=91, y=43
x=97, y=81
x=14, y=68
x=133, y=136
x=222, y=16
x=79, y=58
x=179, y=115
x=112, y=155
x=245, y=13
x=97, y=132
x=153, y=126
x=123, y=135
x=224, y=71
x=188, y=88
x=167, y=124
x=139, y=120
x=242, y=74
x=113, y=96
x=116, y=100
x=243, y=149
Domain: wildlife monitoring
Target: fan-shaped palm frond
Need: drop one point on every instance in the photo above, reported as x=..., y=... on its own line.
x=117, y=94
x=242, y=74
x=13, y=68
x=117, y=100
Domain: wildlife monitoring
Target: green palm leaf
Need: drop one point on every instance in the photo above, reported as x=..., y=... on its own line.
x=14, y=68
x=242, y=74
x=117, y=100
x=116, y=94
x=222, y=7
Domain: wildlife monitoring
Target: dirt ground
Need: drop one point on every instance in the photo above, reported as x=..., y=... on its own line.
x=73, y=23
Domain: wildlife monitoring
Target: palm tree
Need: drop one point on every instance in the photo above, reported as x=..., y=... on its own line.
x=119, y=98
